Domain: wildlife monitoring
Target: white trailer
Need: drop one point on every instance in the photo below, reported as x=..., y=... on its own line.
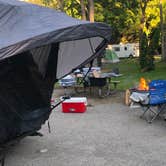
x=125, y=50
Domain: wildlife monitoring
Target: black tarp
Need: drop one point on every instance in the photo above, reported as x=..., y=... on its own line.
x=38, y=46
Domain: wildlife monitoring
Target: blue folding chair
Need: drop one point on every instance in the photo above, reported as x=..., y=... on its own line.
x=157, y=99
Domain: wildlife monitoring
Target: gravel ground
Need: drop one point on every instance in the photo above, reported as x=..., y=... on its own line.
x=108, y=134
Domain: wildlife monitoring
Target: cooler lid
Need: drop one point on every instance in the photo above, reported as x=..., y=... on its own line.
x=76, y=100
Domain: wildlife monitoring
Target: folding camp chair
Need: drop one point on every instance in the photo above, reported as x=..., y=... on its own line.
x=160, y=108
x=154, y=101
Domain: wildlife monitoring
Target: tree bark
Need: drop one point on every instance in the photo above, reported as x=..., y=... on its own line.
x=91, y=10
x=83, y=13
x=61, y=4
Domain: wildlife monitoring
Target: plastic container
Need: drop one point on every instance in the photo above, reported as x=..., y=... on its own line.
x=74, y=105
x=67, y=81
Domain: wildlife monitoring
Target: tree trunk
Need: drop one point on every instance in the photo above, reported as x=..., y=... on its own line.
x=142, y=39
x=146, y=58
x=163, y=34
x=91, y=19
x=91, y=10
x=61, y=4
x=83, y=13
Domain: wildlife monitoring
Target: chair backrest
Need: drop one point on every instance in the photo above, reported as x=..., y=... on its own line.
x=157, y=91
x=157, y=84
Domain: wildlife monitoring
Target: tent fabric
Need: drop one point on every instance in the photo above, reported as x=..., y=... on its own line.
x=24, y=97
x=75, y=48
x=25, y=26
x=38, y=46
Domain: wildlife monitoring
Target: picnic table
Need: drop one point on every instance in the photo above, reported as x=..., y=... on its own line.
x=102, y=81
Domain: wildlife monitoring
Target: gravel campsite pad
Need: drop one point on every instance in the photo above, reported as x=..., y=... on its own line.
x=107, y=134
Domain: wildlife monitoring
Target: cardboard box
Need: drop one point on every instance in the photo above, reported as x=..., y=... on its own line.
x=74, y=105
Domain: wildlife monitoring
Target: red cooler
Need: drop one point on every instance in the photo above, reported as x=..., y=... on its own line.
x=74, y=105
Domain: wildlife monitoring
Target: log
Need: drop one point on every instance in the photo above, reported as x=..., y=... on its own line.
x=127, y=97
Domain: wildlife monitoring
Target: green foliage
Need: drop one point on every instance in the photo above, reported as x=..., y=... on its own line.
x=143, y=52
x=164, y=11
x=99, y=10
x=146, y=54
x=121, y=16
x=149, y=33
x=152, y=16
x=72, y=8
x=154, y=40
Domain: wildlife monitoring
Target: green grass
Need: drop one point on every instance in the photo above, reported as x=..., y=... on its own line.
x=132, y=73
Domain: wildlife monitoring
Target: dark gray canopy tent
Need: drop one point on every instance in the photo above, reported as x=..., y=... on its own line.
x=38, y=46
